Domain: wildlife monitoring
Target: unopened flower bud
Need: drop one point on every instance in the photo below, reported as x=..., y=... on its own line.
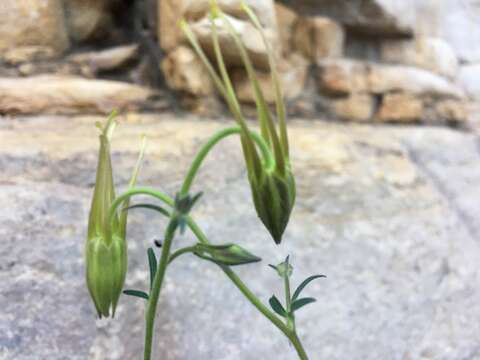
x=106, y=247
x=274, y=198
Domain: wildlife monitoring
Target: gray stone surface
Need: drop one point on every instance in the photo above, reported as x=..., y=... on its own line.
x=390, y=214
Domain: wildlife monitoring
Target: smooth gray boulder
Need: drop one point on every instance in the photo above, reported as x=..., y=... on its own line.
x=390, y=214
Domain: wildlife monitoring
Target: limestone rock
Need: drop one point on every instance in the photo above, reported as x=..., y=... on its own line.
x=382, y=79
x=318, y=38
x=286, y=21
x=342, y=76
x=355, y=107
x=249, y=35
x=469, y=77
x=451, y=111
x=400, y=107
x=375, y=17
x=106, y=60
x=265, y=9
x=87, y=19
x=65, y=94
x=29, y=25
x=406, y=281
x=391, y=215
x=184, y=72
x=429, y=53
x=23, y=54
x=171, y=11
x=456, y=22
x=292, y=75
x=346, y=76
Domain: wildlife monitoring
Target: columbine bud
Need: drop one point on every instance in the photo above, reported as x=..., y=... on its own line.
x=274, y=197
x=271, y=179
x=106, y=247
x=228, y=254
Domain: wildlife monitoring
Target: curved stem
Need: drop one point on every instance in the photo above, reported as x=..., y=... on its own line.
x=180, y=252
x=214, y=140
x=157, y=286
x=291, y=334
x=138, y=191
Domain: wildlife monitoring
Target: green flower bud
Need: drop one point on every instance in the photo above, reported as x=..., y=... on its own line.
x=274, y=198
x=106, y=272
x=106, y=247
x=228, y=254
x=271, y=179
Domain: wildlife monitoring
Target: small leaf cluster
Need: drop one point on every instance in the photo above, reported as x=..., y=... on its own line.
x=183, y=205
x=294, y=302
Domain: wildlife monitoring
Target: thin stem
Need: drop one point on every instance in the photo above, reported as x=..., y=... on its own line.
x=291, y=334
x=157, y=286
x=288, y=302
x=215, y=139
x=180, y=252
x=138, y=191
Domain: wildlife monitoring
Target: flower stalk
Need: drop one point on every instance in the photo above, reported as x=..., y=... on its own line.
x=271, y=181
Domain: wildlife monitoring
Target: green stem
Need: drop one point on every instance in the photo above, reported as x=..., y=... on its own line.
x=180, y=252
x=138, y=191
x=289, y=333
x=214, y=140
x=288, y=302
x=157, y=286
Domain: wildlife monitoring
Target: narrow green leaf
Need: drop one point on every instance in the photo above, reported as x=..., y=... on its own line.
x=297, y=304
x=152, y=263
x=308, y=280
x=153, y=207
x=277, y=306
x=136, y=293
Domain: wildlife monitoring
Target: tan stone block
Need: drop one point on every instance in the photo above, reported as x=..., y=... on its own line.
x=400, y=108
x=292, y=75
x=68, y=95
x=356, y=107
x=452, y=110
x=87, y=19
x=33, y=23
x=184, y=71
x=286, y=20
x=318, y=38
x=342, y=76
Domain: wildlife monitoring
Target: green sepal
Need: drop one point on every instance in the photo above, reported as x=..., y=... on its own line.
x=297, y=304
x=136, y=293
x=305, y=282
x=277, y=306
x=227, y=255
x=274, y=198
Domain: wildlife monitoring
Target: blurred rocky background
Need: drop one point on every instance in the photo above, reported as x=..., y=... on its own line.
x=414, y=61
x=391, y=214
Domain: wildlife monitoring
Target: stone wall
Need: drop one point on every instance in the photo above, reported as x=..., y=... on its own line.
x=375, y=60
